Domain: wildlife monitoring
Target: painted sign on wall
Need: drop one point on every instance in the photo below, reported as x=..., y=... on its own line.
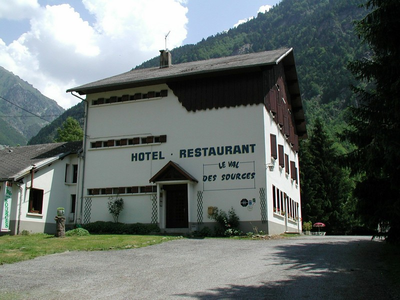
x=229, y=175
x=5, y=218
x=196, y=152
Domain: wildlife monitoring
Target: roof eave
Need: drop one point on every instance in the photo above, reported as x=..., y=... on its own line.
x=83, y=90
x=37, y=166
x=160, y=80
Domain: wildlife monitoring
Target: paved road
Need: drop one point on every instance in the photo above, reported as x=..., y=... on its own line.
x=298, y=268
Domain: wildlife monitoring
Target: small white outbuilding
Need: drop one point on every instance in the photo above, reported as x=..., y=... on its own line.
x=34, y=181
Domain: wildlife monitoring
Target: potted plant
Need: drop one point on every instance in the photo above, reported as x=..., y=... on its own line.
x=307, y=226
x=60, y=211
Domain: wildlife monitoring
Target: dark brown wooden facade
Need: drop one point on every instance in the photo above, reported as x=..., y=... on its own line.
x=267, y=86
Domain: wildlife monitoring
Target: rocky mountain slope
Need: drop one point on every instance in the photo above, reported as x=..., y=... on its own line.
x=17, y=99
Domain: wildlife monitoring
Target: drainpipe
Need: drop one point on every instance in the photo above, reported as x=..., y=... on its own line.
x=19, y=208
x=32, y=175
x=286, y=212
x=80, y=215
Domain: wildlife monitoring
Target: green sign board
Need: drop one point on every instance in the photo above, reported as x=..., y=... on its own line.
x=5, y=220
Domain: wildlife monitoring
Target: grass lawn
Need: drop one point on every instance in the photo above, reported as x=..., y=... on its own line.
x=23, y=247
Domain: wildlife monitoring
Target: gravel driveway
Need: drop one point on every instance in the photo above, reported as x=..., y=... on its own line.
x=307, y=267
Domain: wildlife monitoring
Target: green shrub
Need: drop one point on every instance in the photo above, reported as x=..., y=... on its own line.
x=204, y=232
x=101, y=227
x=77, y=232
x=307, y=226
x=228, y=223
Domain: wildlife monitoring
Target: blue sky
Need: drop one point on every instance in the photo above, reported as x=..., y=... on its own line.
x=59, y=44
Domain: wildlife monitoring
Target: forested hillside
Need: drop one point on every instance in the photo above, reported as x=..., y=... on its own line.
x=17, y=97
x=322, y=35
x=48, y=133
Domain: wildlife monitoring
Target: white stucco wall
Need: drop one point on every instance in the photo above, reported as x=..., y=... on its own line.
x=278, y=177
x=56, y=193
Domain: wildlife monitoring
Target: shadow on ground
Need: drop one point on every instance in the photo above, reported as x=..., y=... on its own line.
x=332, y=270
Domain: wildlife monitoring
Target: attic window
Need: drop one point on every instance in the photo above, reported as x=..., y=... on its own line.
x=129, y=141
x=125, y=98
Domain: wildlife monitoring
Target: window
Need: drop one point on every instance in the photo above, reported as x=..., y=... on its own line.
x=281, y=156
x=287, y=164
x=271, y=101
x=293, y=170
x=274, y=153
x=123, y=190
x=286, y=126
x=73, y=203
x=137, y=96
x=281, y=113
x=35, y=201
x=75, y=174
x=129, y=141
x=66, y=172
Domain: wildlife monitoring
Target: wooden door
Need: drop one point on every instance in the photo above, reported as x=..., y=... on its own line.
x=177, y=206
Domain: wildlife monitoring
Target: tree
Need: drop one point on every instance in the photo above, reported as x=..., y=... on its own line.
x=375, y=122
x=326, y=187
x=70, y=131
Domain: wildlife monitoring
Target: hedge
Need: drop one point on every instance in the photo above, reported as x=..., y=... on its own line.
x=101, y=227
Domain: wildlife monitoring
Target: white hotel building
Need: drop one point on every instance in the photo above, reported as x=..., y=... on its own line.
x=177, y=140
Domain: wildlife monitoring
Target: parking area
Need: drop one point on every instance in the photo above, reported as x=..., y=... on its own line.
x=307, y=267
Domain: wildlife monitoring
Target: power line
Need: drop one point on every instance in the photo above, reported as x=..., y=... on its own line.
x=24, y=109
x=24, y=116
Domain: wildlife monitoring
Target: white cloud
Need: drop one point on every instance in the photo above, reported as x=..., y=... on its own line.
x=242, y=21
x=18, y=9
x=61, y=50
x=262, y=9
x=145, y=22
x=63, y=26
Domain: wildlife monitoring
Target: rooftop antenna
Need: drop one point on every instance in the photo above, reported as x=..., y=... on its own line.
x=166, y=39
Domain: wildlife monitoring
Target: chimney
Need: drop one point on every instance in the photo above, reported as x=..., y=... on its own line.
x=165, y=59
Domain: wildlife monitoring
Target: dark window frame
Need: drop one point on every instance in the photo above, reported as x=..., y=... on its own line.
x=73, y=203
x=36, y=201
x=281, y=154
x=74, y=173
x=274, y=150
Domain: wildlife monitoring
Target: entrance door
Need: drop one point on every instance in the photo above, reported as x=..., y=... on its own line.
x=177, y=206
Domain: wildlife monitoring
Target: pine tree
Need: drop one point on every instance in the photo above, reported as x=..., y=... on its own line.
x=70, y=131
x=326, y=187
x=375, y=122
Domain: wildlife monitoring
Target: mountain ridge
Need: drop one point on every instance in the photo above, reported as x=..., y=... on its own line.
x=23, y=109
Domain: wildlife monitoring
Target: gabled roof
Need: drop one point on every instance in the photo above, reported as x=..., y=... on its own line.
x=151, y=76
x=216, y=68
x=16, y=162
x=171, y=172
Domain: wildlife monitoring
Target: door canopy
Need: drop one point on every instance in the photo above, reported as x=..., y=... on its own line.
x=172, y=172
